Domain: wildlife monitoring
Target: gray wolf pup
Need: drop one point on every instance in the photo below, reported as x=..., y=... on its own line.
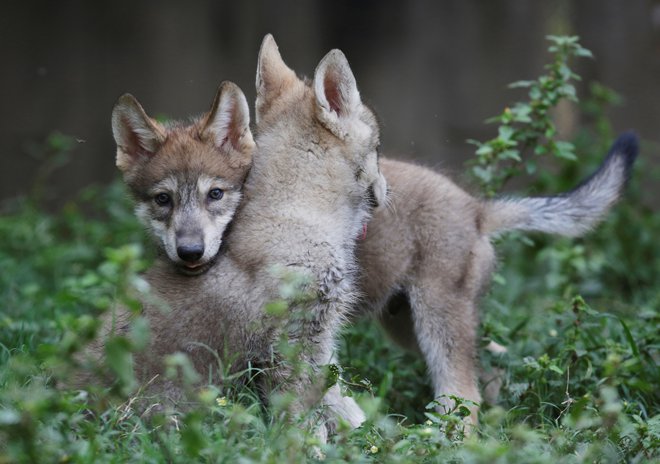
x=309, y=192
x=428, y=258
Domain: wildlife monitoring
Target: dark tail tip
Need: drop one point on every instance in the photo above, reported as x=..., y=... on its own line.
x=626, y=146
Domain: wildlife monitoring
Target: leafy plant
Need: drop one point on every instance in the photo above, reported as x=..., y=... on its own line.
x=528, y=125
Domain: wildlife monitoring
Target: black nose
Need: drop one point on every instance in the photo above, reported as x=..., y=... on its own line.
x=190, y=253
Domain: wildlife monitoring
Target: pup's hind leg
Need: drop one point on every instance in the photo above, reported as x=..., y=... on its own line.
x=446, y=327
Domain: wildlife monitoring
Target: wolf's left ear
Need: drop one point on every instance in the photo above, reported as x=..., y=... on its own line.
x=274, y=77
x=228, y=125
x=337, y=96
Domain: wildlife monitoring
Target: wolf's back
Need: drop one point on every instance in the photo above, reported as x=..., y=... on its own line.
x=572, y=213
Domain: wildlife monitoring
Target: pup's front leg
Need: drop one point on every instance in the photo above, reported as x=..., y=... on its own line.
x=294, y=386
x=301, y=380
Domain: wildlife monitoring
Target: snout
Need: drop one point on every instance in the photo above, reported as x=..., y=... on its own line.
x=190, y=252
x=190, y=246
x=371, y=198
x=377, y=192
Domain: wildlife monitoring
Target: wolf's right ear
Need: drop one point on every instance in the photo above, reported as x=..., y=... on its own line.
x=274, y=77
x=337, y=96
x=137, y=136
x=228, y=125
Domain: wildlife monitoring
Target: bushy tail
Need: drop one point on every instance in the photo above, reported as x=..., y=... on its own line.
x=572, y=213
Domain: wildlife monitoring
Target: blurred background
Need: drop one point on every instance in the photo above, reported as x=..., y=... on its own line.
x=432, y=70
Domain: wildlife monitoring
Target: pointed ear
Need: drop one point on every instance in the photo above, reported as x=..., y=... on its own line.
x=337, y=96
x=137, y=136
x=228, y=124
x=273, y=76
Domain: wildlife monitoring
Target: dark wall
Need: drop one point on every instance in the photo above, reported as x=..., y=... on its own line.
x=433, y=70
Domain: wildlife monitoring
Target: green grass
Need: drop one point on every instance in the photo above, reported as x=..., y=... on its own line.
x=581, y=374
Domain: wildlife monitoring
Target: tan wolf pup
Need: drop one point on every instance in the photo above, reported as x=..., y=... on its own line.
x=427, y=257
x=310, y=191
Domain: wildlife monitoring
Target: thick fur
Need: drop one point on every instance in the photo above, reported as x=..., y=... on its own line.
x=427, y=258
x=307, y=196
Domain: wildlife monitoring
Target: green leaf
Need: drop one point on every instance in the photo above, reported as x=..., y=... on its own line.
x=139, y=333
x=483, y=174
x=120, y=360
x=277, y=308
x=521, y=84
x=555, y=368
x=565, y=150
x=521, y=113
x=629, y=337
x=499, y=279
x=192, y=437
x=484, y=150
x=179, y=364
x=583, y=53
x=505, y=133
x=510, y=154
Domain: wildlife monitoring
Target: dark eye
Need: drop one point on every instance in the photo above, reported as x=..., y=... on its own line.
x=162, y=199
x=216, y=194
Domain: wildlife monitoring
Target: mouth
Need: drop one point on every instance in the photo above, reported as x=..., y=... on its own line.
x=363, y=232
x=194, y=269
x=193, y=265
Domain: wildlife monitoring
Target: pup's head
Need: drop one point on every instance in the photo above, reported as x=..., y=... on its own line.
x=329, y=111
x=186, y=179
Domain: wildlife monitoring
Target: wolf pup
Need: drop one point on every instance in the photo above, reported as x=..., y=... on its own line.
x=186, y=181
x=311, y=188
x=428, y=258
